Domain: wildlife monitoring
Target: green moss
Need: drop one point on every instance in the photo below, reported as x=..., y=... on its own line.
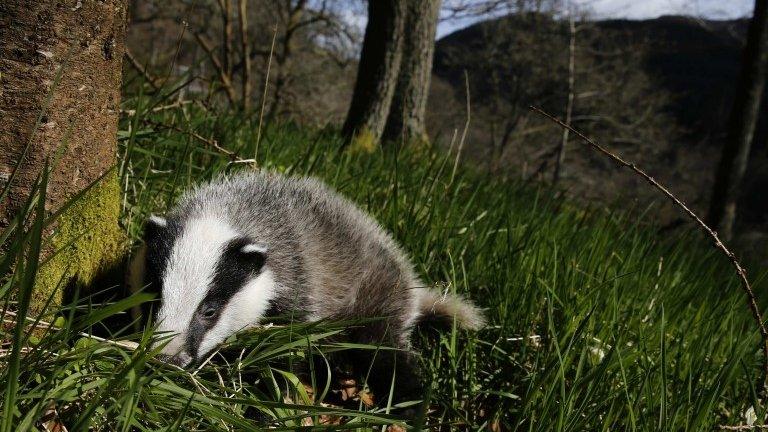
x=363, y=141
x=86, y=240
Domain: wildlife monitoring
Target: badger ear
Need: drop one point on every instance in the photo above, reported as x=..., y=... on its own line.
x=253, y=248
x=154, y=226
x=254, y=253
x=157, y=221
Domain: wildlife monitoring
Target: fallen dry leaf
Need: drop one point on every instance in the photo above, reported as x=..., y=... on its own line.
x=50, y=421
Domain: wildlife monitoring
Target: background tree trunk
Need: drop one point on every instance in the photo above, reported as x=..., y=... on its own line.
x=746, y=106
x=406, y=115
x=560, y=159
x=78, y=117
x=377, y=71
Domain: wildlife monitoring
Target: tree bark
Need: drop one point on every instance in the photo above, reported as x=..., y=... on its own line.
x=405, y=122
x=292, y=20
x=246, y=47
x=61, y=62
x=225, y=7
x=377, y=71
x=560, y=160
x=741, y=128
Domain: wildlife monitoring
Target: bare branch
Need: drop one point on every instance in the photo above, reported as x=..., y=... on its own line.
x=141, y=69
x=213, y=144
x=225, y=9
x=264, y=97
x=177, y=104
x=463, y=9
x=226, y=82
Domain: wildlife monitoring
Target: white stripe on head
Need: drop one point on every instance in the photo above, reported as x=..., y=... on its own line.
x=243, y=310
x=189, y=273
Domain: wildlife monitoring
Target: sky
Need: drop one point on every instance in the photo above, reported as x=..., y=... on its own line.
x=643, y=9
x=717, y=9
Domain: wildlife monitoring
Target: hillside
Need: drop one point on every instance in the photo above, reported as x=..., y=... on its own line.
x=658, y=91
x=697, y=61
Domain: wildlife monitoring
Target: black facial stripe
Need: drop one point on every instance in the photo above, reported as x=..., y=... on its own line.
x=233, y=270
x=159, y=242
x=197, y=329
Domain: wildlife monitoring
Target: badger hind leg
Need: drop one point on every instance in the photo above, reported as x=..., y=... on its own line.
x=389, y=367
x=374, y=366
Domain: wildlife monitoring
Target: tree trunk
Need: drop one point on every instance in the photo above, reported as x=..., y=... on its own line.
x=560, y=160
x=78, y=113
x=741, y=127
x=377, y=71
x=245, y=95
x=406, y=115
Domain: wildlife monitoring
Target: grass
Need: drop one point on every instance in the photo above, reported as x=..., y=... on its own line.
x=597, y=321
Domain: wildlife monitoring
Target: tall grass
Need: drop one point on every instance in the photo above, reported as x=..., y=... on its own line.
x=597, y=321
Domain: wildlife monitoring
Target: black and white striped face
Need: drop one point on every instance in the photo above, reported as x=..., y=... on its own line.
x=213, y=283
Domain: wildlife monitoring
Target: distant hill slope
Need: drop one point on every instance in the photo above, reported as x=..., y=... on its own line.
x=697, y=61
x=658, y=91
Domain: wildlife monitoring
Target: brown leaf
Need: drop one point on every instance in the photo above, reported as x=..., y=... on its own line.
x=50, y=421
x=367, y=399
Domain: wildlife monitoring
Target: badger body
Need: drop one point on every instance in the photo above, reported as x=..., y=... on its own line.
x=243, y=248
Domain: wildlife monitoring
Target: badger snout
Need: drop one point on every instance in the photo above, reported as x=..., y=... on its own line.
x=180, y=359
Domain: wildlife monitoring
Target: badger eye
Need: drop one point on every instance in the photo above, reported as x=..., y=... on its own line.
x=209, y=312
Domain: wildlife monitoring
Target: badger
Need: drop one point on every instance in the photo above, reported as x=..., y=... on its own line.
x=246, y=247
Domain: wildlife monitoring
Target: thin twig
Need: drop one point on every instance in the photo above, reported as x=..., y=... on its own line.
x=264, y=96
x=743, y=427
x=740, y=271
x=209, y=142
x=142, y=70
x=178, y=104
x=240, y=369
x=44, y=325
x=466, y=127
x=171, y=67
x=205, y=362
x=226, y=82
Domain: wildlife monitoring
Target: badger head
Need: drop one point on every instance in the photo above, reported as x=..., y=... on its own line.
x=212, y=282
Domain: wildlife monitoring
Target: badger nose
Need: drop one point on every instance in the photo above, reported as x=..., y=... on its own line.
x=181, y=359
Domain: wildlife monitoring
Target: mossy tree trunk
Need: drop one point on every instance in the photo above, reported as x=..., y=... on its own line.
x=377, y=71
x=406, y=122
x=61, y=63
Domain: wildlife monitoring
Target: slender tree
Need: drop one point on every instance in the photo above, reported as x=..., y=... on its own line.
x=406, y=116
x=377, y=73
x=61, y=65
x=245, y=95
x=741, y=127
x=560, y=159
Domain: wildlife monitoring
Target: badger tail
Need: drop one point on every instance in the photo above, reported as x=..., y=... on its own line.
x=445, y=306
